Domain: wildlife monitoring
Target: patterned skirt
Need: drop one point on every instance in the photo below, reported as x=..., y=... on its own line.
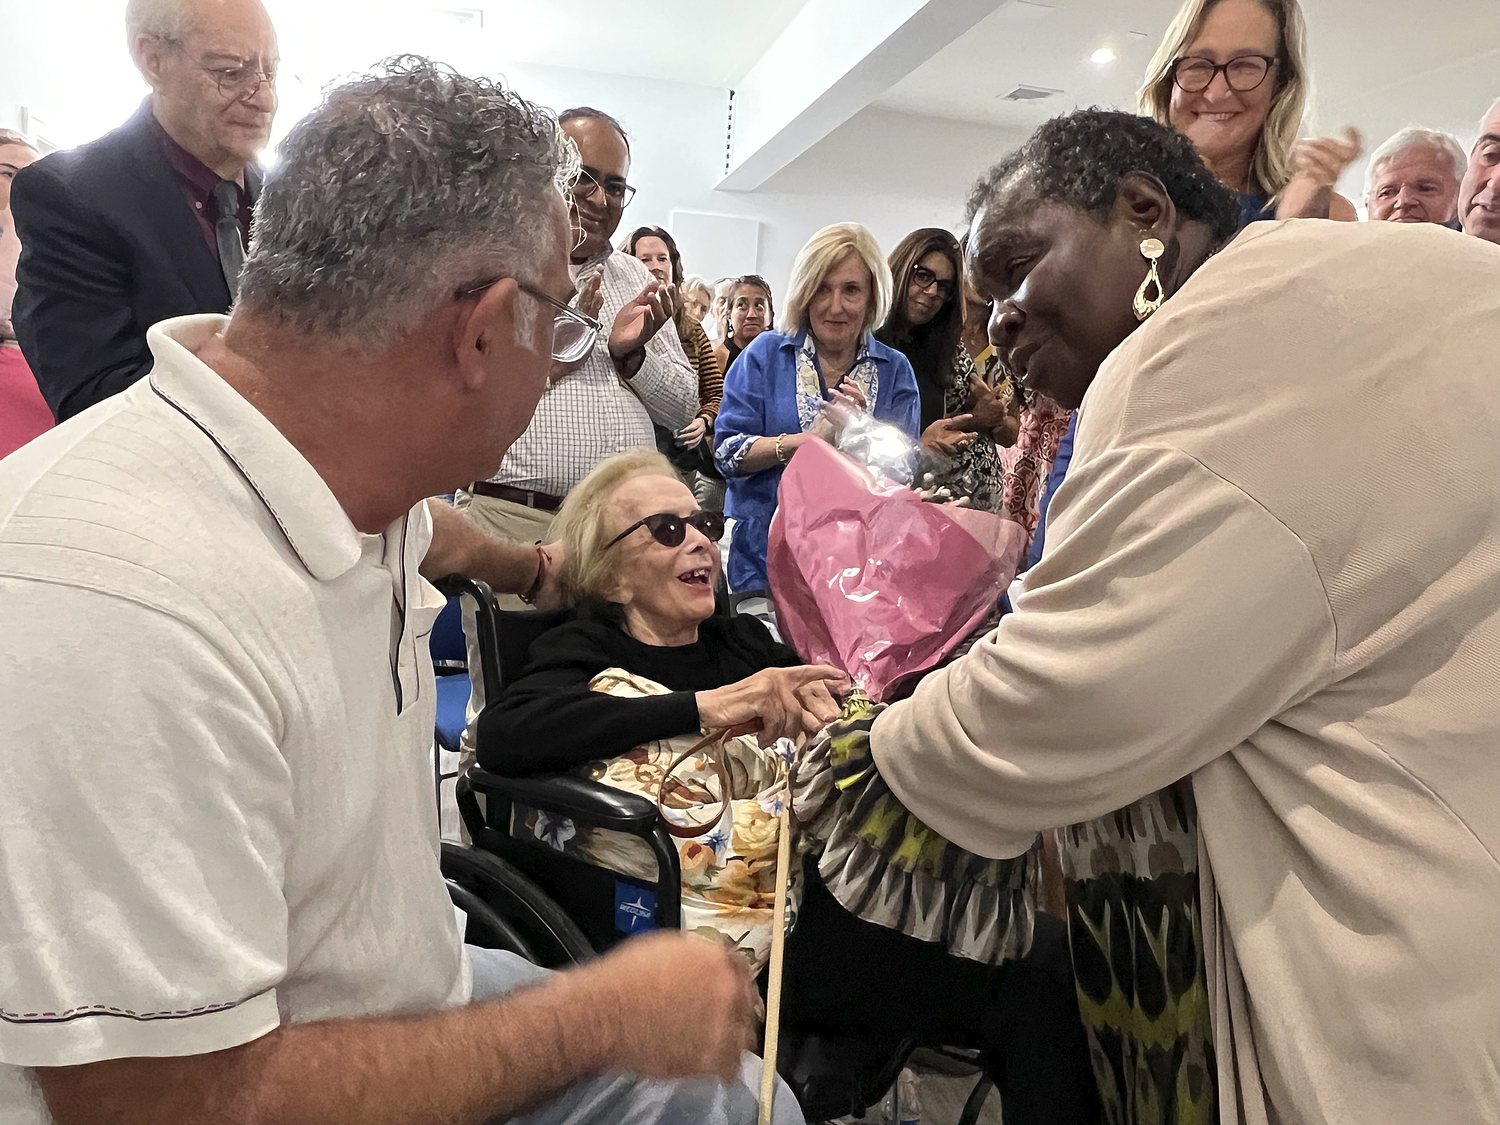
x=1135, y=927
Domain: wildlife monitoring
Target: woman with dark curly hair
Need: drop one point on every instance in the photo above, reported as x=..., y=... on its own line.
x=1248, y=634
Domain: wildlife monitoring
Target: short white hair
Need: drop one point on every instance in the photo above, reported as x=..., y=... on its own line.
x=1495, y=105
x=825, y=250
x=168, y=20
x=1414, y=137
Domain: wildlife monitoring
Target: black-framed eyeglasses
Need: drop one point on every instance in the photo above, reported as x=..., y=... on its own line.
x=1194, y=75
x=616, y=191
x=669, y=529
x=573, y=332
x=925, y=280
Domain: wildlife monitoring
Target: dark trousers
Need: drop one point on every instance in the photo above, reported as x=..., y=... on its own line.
x=845, y=976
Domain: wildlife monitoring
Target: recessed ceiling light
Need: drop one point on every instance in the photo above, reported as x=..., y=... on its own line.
x=1102, y=56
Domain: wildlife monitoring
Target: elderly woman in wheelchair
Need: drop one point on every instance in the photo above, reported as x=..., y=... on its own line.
x=621, y=688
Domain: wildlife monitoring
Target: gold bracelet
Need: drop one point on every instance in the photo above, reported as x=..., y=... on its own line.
x=781, y=455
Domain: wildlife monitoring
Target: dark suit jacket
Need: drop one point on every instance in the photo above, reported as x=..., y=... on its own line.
x=109, y=247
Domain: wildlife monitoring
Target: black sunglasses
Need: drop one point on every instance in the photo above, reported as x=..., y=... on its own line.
x=669, y=529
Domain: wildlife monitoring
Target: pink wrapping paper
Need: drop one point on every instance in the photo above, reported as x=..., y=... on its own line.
x=870, y=578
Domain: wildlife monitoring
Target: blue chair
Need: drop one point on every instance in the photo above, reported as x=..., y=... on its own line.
x=450, y=662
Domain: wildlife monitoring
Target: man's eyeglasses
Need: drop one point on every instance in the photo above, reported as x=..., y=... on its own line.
x=670, y=529
x=925, y=280
x=1194, y=75
x=241, y=83
x=616, y=191
x=573, y=332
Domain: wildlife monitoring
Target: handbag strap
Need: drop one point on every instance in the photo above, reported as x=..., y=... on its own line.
x=705, y=746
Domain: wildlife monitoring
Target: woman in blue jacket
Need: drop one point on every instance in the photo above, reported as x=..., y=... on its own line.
x=778, y=391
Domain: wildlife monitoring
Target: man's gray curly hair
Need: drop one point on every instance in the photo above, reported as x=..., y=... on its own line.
x=402, y=188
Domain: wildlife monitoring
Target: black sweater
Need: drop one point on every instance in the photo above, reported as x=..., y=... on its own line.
x=548, y=720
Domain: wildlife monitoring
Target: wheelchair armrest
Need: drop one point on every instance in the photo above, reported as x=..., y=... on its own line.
x=591, y=802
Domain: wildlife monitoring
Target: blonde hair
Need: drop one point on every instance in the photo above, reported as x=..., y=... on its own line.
x=824, y=251
x=589, y=567
x=1273, y=163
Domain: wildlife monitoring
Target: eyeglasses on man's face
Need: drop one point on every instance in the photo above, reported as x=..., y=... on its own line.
x=617, y=193
x=573, y=332
x=929, y=282
x=238, y=79
x=1193, y=75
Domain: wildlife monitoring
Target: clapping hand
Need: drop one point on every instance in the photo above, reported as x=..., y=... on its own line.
x=995, y=410
x=693, y=434
x=591, y=296
x=948, y=435
x=642, y=318
x=590, y=301
x=1320, y=162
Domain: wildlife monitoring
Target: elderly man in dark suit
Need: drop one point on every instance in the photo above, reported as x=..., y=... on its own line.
x=152, y=220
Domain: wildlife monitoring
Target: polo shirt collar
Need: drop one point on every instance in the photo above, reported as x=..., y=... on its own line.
x=309, y=515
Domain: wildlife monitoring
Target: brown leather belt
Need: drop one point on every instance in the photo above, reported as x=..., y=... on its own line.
x=523, y=496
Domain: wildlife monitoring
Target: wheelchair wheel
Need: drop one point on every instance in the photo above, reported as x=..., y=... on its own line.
x=549, y=937
x=485, y=928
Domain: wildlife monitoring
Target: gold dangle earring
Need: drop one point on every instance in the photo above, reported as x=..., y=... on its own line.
x=1151, y=250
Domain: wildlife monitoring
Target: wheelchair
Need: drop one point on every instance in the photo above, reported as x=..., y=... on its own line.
x=557, y=910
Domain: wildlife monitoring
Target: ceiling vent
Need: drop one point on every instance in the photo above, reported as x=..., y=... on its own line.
x=464, y=17
x=1024, y=93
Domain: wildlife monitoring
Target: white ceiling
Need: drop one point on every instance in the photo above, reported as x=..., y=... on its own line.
x=1374, y=61
x=709, y=43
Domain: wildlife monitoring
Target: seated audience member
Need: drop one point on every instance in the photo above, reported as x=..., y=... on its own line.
x=781, y=388
x=1414, y=178
x=1479, y=195
x=1232, y=76
x=153, y=220
x=279, y=899
x=1232, y=619
x=23, y=411
x=691, y=449
x=748, y=312
x=635, y=376
x=641, y=561
x=964, y=421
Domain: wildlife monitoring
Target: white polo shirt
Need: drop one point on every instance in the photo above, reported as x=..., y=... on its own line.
x=216, y=715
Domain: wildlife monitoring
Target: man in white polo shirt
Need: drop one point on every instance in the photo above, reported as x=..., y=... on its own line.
x=220, y=897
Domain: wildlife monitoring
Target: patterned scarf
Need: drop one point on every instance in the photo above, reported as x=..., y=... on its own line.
x=810, y=383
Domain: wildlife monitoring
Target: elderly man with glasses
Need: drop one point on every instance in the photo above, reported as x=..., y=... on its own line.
x=153, y=220
x=222, y=898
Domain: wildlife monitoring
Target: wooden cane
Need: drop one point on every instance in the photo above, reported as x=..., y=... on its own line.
x=778, y=948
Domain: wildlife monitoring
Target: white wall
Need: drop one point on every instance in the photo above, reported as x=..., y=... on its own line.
x=891, y=171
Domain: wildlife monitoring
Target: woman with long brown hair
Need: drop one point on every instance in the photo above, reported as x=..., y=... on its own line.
x=692, y=448
x=965, y=419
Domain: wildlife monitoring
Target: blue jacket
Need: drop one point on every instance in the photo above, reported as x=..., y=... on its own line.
x=760, y=400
